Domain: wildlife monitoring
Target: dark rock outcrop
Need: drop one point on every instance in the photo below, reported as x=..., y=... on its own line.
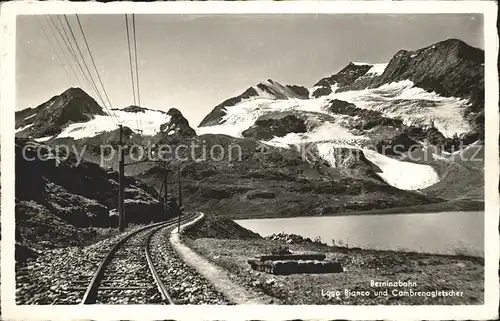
x=135, y=109
x=343, y=78
x=279, y=91
x=79, y=194
x=299, y=90
x=24, y=253
x=265, y=129
x=371, y=118
x=449, y=68
x=260, y=194
x=177, y=125
x=397, y=145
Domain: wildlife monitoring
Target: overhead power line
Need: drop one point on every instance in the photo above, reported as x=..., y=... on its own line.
x=137, y=70
x=53, y=30
x=67, y=42
x=95, y=67
x=136, y=61
x=131, y=68
x=56, y=53
x=66, y=33
x=84, y=62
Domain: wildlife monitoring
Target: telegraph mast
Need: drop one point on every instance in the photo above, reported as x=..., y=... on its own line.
x=165, y=183
x=180, y=198
x=121, y=181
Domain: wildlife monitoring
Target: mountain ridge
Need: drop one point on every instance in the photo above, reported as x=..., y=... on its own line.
x=345, y=121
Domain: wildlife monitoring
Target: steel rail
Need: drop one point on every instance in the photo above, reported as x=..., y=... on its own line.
x=159, y=283
x=90, y=295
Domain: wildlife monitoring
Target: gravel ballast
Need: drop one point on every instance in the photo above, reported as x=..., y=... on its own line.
x=60, y=276
x=185, y=284
x=48, y=279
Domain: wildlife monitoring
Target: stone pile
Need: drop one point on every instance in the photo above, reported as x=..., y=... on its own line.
x=285, y=264
x=291, y=238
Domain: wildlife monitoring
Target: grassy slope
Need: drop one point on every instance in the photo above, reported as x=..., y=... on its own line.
x=278, y=184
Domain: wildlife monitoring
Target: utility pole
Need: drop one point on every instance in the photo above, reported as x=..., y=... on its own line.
x=180, y=199
x=180, y=188
x=165, y=183
x=121, y=181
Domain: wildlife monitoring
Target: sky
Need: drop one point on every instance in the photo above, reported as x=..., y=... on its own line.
x=194, y=62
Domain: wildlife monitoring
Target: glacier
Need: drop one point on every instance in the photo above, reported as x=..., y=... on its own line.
x=398, y=100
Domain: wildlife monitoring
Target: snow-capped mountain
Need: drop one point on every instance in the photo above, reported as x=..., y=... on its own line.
x=269, y=89
x=345, y=122
x=433, y=95
x=76, y=115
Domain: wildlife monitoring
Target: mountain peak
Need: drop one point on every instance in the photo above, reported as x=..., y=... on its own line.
x=275, y=90
x=344, y=77
x=74, y=92
x=452, y=42
x=136, y=109
x=268, y=88
x=177, y=124
x=72, y=106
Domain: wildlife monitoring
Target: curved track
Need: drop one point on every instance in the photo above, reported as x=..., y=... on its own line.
x=127, y=272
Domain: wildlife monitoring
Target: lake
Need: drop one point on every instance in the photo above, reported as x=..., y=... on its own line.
x=441, y=233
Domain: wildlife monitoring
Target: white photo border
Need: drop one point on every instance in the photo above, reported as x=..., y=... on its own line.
x=489, y=310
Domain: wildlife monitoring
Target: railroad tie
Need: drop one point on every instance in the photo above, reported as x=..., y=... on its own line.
x=114, y=288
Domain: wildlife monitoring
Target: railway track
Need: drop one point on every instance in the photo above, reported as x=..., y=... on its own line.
x=127, y=273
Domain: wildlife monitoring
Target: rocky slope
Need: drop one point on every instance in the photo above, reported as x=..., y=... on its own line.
x=56, y=196
x=218, y=227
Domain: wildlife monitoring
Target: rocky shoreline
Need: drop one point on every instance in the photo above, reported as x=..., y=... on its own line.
x=360, y=267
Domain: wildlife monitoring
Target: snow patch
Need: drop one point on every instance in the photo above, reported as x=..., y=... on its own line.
x=150, y=122
x=377, y=69
x=23, y=128
x=361, y=63
x=332, y=133
x=312, y=90
x=30, y=116
x=413, y=105
x=43, y=139
x=276, y=144
x=243, y=115
x=402, y=175
x=327, y=152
